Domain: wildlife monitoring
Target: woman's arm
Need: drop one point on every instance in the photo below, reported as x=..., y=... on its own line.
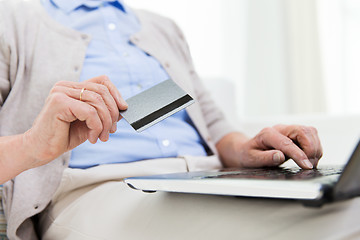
x=15, y=156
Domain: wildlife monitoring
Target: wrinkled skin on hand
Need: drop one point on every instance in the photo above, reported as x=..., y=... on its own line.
x=272, y=147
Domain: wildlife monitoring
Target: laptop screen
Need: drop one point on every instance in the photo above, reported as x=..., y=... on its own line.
x=349, y=182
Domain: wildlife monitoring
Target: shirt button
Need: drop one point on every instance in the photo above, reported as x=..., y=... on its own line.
x=84, y=37
x=111, y=26
x=167, y=65
x=139, y=86
x=125, y=54
x=166, y=143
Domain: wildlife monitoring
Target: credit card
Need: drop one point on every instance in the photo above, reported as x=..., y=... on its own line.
x=155, y=104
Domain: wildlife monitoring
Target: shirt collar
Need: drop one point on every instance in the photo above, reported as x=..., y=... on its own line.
x=70, y=5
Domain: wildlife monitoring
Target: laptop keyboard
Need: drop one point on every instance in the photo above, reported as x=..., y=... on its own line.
x=277, y=173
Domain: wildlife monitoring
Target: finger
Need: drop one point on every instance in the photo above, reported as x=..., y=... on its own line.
x=270, y=138
x=113, y=128
x=104, y=80
x=92, y=121
x=83, y=112
x=108, y=99
x=97, y=88
x=307, y=139
x=268, y=158
x=314, y=154
x=97, y=102
x=319, y=151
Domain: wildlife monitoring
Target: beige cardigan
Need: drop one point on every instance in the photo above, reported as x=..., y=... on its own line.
x=35, y=53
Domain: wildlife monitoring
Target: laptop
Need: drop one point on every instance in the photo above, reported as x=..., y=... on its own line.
x=312, y=187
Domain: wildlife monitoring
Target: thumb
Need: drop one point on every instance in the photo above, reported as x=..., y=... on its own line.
x=269, y=158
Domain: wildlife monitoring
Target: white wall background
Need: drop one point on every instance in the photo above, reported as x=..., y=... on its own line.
x=215, y=32
x=340, y=37
x=283, y=56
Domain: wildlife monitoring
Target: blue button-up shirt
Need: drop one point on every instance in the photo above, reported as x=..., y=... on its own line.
x=110, y=24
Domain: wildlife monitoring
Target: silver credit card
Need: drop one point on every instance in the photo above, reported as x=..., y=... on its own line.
x=155, y=104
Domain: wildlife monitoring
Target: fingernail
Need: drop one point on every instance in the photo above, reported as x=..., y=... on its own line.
x=124, y=103
x=277, y=158
x=106, y=138
x=307, y=163
x=113, y=128
x=92, y=138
